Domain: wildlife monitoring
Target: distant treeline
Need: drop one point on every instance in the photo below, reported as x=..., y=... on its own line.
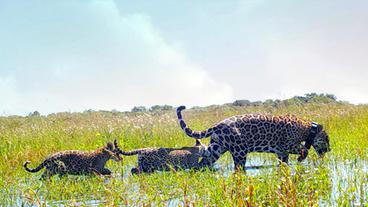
x=296, y=100
x=153, y=108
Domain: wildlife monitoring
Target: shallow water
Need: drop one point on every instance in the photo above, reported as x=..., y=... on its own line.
x=343, y=176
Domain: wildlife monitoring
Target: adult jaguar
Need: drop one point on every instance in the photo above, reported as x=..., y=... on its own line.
x=77, y=162
x=242, y=134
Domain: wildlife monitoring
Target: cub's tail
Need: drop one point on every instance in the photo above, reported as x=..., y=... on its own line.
x=189, y=132
x=38, y=168
x=129, y=153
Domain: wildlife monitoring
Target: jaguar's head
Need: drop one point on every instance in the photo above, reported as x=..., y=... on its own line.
x=110, y=152
x=321, y=143
x=202, y=149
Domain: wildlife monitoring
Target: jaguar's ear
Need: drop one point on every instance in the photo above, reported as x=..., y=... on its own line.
x=109, y=146
x=198, y=143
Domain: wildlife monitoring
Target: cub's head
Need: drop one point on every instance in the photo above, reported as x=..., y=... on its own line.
x=202, y=149
x=109, y=151
x=321, y=142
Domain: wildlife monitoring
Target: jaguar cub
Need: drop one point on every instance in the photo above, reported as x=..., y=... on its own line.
x=77, y=162
x=165, y=159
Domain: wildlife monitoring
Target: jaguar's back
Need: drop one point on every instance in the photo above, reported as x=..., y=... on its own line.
x=151, y=159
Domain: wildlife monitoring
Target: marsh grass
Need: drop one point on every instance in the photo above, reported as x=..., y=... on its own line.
x=340, y=179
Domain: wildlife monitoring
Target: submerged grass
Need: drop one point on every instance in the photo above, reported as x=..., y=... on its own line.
x=340, y=179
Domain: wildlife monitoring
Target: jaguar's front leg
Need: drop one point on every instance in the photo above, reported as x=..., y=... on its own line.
x=303, y=153
x=299, y=149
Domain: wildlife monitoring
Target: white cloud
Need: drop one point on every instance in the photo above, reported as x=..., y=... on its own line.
x=91, y=56
x=323, y=53
x=76, y=55
x=288, y=48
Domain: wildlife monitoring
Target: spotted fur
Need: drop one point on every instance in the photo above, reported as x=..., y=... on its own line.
x=240, y=135
x=165, y=159
x=77, y=162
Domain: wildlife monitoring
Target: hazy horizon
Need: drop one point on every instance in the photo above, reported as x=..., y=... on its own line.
x=103, y=55
x=148, y=107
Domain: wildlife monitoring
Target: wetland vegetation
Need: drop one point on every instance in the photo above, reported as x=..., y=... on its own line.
x=340, y=179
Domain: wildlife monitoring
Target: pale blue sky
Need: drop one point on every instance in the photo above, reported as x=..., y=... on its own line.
x=103, y=54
